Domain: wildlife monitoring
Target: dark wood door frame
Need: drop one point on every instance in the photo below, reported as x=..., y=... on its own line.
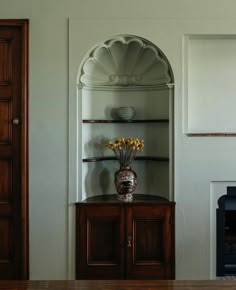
x=23, y=26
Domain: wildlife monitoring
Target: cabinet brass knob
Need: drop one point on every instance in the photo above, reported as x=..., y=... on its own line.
x=129, y=239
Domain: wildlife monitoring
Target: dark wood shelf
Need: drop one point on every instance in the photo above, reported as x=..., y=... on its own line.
x=105, y=158
x=113, y=198
x=123, y=121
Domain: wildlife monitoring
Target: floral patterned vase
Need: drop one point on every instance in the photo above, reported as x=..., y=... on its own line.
x=126, y=182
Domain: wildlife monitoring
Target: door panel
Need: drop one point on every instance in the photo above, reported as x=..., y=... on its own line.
x=5, y=180
x=148, y=241
x=13, y=150
x=150, y=253
x=5, y=128
x=5, y=58
x=99, y=242
x=5, y=237
x=103, y=241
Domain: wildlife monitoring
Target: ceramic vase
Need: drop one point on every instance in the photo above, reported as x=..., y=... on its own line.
x=126, y=182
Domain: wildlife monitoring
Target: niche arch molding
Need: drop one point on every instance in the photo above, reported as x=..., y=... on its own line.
x=125, y=61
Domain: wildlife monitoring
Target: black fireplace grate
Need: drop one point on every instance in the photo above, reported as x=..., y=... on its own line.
x=226, y=234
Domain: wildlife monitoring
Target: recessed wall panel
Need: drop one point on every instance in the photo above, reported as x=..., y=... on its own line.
x=209, y=83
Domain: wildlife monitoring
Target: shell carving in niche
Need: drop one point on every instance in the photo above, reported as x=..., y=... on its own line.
x=123, y=61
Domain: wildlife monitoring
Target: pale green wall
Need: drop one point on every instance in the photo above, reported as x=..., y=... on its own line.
x=198, y=161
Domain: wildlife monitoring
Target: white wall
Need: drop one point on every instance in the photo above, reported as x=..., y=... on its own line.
x=198, y=160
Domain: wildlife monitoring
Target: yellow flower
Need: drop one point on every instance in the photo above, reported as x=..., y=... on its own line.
x=125, y=148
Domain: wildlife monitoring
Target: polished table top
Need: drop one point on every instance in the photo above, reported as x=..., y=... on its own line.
x=120, y=285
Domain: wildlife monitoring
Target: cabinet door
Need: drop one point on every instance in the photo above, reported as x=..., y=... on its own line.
x=150, y=242
x=99, y=246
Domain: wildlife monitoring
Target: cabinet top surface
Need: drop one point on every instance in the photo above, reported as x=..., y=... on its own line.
x=137, y=198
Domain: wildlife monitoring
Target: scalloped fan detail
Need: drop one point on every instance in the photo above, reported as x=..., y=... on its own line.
x=125, y=61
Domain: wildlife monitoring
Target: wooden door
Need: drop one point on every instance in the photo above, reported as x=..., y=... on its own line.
x=13, y=149
x=150, y=242
x=99, y=242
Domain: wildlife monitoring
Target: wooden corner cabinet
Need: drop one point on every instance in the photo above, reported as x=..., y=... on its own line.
x=115, y=239
x=125, y=240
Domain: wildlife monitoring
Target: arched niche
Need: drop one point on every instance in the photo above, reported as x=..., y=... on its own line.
x=126, y=70
x=125, y=60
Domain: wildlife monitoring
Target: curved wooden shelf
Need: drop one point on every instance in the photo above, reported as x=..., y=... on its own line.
x=144, y=158
x=124, y=121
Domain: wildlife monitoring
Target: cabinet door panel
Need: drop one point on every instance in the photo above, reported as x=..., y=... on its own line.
x=151, y=253
x=148, y=241
x=99, y=242
x=103, y=240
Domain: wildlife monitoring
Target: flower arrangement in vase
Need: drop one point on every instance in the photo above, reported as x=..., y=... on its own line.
x=125, y=150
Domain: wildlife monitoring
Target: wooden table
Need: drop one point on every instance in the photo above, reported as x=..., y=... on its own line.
x=120, y=285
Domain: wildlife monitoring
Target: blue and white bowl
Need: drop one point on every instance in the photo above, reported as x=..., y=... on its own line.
x=125, y=113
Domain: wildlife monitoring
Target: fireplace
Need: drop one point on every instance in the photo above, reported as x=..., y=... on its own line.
x=226, y=233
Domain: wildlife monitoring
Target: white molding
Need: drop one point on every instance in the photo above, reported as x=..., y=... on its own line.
x=171, y=145
x=185, y=39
